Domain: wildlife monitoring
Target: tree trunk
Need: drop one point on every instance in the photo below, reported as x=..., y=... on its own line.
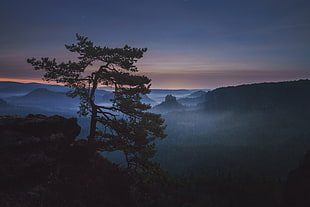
x=93, y=122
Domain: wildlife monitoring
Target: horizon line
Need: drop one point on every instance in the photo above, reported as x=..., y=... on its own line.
x=16, y=80
x=51, y=83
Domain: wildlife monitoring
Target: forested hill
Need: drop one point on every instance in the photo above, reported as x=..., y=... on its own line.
x=260, y=129
x=263, y=96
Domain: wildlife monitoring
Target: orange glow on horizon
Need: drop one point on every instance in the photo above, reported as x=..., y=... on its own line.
x=45, y=82
x=24, y=80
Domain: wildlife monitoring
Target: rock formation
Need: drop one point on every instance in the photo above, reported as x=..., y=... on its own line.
x=41, y=164
x=170, y=104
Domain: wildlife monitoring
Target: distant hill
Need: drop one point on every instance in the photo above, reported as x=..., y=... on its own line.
x=8, y=88
x=170, y=104
x=147, y=100
x=39, y=95
x=262, y=96
x=194, y=98
x=169, y=91
x=159, y=95
x=9, y=109
x=261, y=129
x=44, y=98
x=3, y=104
x=103, y=95
x=197, y=94
x=110, y=95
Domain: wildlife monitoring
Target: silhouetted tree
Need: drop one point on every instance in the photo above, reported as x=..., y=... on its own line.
x=125, y=125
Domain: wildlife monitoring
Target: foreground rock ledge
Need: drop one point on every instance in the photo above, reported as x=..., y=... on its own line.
x=37, y=128
x=41, y=164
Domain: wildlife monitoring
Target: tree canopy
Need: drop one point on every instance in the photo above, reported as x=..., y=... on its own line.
x=126, y=125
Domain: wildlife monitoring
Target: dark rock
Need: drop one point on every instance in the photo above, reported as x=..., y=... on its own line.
x=170, y=104
x=41, y=164
x=37, y=128
x=170, y=99
x=28, y=147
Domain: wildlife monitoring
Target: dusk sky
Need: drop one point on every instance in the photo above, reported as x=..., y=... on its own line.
x=191, y=43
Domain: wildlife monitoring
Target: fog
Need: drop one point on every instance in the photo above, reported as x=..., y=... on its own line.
x=209, y=137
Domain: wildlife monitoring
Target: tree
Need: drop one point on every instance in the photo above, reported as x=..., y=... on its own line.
x=124, y=126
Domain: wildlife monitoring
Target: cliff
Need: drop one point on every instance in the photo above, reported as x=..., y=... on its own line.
x=41, y=164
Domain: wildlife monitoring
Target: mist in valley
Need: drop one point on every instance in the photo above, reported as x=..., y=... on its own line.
x=204, y=137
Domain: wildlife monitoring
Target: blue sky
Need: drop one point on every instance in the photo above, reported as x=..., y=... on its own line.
x=191, y=43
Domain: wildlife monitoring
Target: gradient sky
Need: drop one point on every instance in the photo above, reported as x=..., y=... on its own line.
x=191, y=43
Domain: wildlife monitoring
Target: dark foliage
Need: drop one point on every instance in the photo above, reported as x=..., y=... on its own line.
x=250, y=139
x=298, y=183
x=263, y=96
x=224, y=190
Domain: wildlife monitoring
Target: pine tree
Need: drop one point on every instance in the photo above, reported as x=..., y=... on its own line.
x=125, y=125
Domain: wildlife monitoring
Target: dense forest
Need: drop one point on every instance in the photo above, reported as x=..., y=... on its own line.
x=261, y=129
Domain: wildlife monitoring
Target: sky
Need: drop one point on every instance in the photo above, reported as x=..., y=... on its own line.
x=191, y=43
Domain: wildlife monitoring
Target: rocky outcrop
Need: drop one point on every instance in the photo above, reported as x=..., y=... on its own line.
x=41, y=164
x=170, y=104
x=298, y=184
x=37, y=129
